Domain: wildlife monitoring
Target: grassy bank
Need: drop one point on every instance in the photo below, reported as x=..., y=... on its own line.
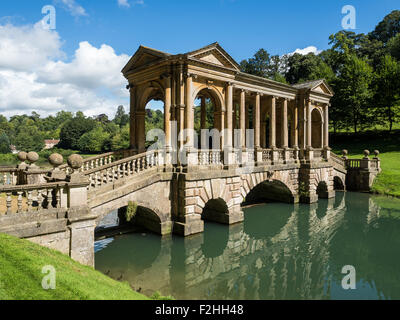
x=21, y=264
x=388, y=182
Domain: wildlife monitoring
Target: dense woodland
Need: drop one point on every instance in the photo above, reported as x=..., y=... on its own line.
x=362, y=69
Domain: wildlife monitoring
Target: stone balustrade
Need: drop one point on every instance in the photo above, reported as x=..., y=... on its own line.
x=120, y=169
x=9, y=176
x=210, y=157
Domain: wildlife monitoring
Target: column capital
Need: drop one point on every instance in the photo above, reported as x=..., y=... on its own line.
x=230, y=84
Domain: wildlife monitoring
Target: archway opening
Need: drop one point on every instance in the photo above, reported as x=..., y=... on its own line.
x=154, y=124
x=338, y=184
x=215, y=210
x=322, y=190
x=269, y=191
x=316, y=127
x=208, y=119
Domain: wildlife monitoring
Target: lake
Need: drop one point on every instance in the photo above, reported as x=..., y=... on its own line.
x=280, y=251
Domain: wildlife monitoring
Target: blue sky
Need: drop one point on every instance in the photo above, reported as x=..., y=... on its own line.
x=174, y=26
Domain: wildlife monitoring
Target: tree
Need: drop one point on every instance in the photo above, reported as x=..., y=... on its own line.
x=307, y=67
x=352, y=91
x=93, y=141
x=29, y=138
x=387, y=90
x=4, y=143
x=73, y=130
x=387, y=28
x=394, y=46
x=121, y=118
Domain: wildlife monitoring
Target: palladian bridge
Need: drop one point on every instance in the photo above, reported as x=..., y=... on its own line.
x=229, y=138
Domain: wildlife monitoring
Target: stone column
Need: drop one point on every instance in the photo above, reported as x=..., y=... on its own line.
x=256, y=123
x=189, y=109
x=132, y=127
x=309, y=153
x=141, y=130
x=326, y=126
x=284, y=124
x=272, y=126
x=327, y=150
x=309, y=125
x=167, y=112
x=295, y=125
x=229, y=114
x=242, y=116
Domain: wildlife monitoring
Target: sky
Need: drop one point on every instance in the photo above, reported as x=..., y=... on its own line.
x=77, y=65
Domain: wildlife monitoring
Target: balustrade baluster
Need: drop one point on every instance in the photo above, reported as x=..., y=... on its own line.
x=58, y=197
x=9, y=202
x=19, y=201
x=29, y=200
x=40, y=200
x=49, y=198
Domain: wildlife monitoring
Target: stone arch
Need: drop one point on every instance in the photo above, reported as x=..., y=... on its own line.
x=152, y=91
x=275, y=187
x=152, y=215
x=214, y=92
x=338, y=183
x=316, y=128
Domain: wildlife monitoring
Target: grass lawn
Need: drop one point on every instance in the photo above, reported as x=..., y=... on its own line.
x=21, y=264
x=388, y=182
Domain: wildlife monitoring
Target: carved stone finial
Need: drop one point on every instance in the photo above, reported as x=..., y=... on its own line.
x=376, y=153
x=22, y=156
x=75, y=161
x=345, y=153
x=32, y=157
x=56, y=160
x=366, y=154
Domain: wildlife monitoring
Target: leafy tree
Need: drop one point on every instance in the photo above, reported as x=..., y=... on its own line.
x=93, y=141
x=73, y=130
x=387, y=90
x=4, y=143
x=307, y=67
x=352, y=91
x=394, y=46
x=29, y=138
x=122, y=139
x=121, y=118
x=387, y=28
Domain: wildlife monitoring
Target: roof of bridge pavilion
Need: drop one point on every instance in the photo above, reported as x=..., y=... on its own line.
x=213, y=55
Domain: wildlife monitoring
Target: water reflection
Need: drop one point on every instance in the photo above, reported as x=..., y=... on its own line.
x=281, y=251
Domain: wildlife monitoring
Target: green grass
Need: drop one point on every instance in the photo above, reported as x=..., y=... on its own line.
x=388, y=182
x=21, y=264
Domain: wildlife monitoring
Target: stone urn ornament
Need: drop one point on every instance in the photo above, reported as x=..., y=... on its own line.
x=32, y=157
x=22, y=156
x=345, y=153
x=366, y=154
x=75, y=161
x=376, y=154
x=56, y=160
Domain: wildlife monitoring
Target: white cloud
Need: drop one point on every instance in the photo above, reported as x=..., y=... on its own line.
x=33, y=76
x=124, y=3
x=309, y=49
x=74, y=8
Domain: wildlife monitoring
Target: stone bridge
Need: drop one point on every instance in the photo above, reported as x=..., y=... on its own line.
x=61, y=208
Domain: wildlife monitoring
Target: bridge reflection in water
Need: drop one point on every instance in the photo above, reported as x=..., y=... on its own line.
x=281, y=251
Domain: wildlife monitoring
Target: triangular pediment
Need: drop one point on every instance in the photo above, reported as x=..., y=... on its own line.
x=322, y=87
x=319, y=86
x=216, y=55
x=144, y=56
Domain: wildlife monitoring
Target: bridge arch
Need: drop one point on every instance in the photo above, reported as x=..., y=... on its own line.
x=338, y=183
x=269, y=187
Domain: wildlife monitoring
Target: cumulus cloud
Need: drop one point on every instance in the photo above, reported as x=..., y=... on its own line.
x=124, y=3
x=35, y=75
x=74, y=8
x=309, y=49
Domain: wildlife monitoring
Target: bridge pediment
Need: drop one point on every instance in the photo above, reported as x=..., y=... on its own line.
x=216, y=55
x=143, y=57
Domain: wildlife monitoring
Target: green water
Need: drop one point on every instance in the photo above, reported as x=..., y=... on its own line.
x=281, y=251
